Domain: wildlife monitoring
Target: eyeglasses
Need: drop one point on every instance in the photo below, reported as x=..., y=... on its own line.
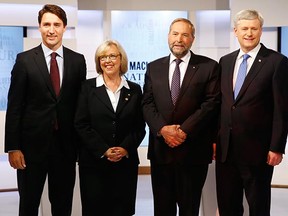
x=112, y=57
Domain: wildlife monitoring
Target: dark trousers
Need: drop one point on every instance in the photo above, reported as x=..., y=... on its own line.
x=108, y=188
x=235, y=180
x=177, y=186
x=60, y=174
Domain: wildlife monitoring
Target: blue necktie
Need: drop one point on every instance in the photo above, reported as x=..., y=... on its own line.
x=175, y=84
x=241, y=75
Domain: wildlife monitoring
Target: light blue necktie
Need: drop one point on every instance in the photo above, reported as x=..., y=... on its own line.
x=241, y=75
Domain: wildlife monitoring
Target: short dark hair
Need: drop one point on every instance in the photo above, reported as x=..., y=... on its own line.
x=54, y=9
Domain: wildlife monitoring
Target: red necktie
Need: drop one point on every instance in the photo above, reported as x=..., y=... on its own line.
x=54, y=74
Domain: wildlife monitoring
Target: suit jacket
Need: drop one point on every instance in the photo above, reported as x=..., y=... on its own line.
x=33, y=106
x=100, y=127
x=195, y=110
x=256, y=121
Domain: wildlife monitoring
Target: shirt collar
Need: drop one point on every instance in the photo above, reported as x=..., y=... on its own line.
x=252, y=53
x=100, y=82
x=47, y=51
x=184, y=59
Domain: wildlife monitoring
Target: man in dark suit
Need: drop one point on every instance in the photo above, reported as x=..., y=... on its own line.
x=181, y=130
x=39, y=132
x=253, y=125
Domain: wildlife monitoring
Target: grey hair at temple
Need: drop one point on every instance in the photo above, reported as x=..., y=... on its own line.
x=248, y=15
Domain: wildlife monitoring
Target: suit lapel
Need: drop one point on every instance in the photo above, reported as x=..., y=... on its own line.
x=66, y=69
x=192, y=68
x=40, y=62
x=190, y=72
x=163, y=75
x=254, y=70
x=125, y=96
x=101, y=94
x=230, y=73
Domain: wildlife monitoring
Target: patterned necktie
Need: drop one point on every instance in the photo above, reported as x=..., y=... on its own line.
x=175, y=85
x=54, y=74
x=241, y=75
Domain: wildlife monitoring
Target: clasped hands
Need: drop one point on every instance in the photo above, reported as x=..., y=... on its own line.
x=173, y=135
x=115, y=154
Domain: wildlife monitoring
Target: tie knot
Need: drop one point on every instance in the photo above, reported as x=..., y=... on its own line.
x=246, y=56
x=53, y=55
x=178, y=61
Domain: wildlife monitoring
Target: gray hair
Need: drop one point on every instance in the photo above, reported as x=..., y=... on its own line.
x=248, y=15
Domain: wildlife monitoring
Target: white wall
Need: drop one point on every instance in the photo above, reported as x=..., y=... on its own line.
x=21, y=14
x=191, y=5
x=89, y=34
x=274, y=12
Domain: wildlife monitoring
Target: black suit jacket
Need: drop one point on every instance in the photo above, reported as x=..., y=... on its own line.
x=196, y=110
x=100, y=127
x=33, y=107
x=256, y=121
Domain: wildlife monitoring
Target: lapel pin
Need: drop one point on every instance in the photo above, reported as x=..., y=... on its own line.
x=126, y=98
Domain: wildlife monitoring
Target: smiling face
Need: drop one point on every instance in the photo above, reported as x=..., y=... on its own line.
x=52, y=30
x=180, y=38
x=111, y=66
x=248, y=33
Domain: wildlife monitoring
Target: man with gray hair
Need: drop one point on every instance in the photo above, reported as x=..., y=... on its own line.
x=180, y=105
x=254, y=120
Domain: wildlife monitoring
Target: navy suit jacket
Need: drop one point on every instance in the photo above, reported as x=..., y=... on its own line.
x=196, y=110
x=256, y=121
x=33, y=106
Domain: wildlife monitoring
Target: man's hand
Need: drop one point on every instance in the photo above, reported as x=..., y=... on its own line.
x=173, y=135
x=181, y=134
x=274, y=158
x=16, y=159
x=214, y=152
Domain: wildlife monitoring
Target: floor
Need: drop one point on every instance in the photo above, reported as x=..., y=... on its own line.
x=144, y=204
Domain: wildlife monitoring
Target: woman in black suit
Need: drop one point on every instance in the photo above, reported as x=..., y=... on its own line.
x=111, y=127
